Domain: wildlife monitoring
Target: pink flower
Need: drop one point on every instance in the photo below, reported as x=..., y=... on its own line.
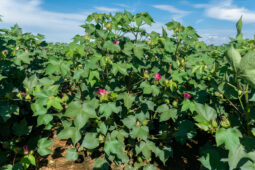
x=187, y=96
x=102, y=92
x=25, y=149
x=116, y=42
x=157, y=76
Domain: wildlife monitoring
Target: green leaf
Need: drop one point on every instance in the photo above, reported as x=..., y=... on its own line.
x=22, y=57
x=21, y=128
x=101, y=164
x=129, y=121
x=235, y=156
x=155, y=90
x=173, y=25
x=31, y=159
x=71, y=154
x=120, y=135
x=54, y=102
x=44, y=119
x=109, y=46
x=163, y=153
x=171, y=113
x=128, y=48
x=90, y=141
x=234, y=58
x=140, y=132
x=252, y=99
x=146, y=148
x=43, y=145
x=169, y=46
x=6, y=111
x=188, y=105
x=185, y=131
x=80, y=120
x=205, y=115
x=228, y=137
x=247, y=68
x=120, y=67
x=38, y=109
x=102, y=128
x=70, y=132
x=108, y=108
x=91, y=77
x=115, y=147
x=211, y=158
x=128, y=100
x=149, y=167
x=31, y=82
x=82, y=112
x=138, y=51
x=162, y=108
x=239, y=25
x=248, y=166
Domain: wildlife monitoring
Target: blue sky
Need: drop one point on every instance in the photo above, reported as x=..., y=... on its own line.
x=59, y=20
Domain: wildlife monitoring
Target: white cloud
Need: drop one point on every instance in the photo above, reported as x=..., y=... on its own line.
x=106, y=9
x=56, y=26
x=30, y=16
x=178, y=14
x=226, y=10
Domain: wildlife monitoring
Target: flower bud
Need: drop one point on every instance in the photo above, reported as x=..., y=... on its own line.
x=187, y=96
x=116, y=42
x=157, y=76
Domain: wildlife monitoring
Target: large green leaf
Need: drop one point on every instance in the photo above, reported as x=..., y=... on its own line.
x=129, y=121
x=44, y=119
x=228, y=137
x=70, y=132
x=43, y=146
x=115, y=147
x=101, y=164
x=166, y=115
x=205, y=114
x=146, y=148
x=31, y=82
x=82, y=112
x=185, y=131
x=71, y=154
x=140, y=132
x=247, y=68
x=108, y=108
x=6, y=111
x=90, y=141
x=21, y=128
x=128, y=100
x=234, y=58
x=163, y=153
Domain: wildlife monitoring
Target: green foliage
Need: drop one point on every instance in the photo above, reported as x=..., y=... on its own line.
x=46, y=87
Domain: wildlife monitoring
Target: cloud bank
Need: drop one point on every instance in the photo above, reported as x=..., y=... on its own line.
x=177, y=13
x=226, y=10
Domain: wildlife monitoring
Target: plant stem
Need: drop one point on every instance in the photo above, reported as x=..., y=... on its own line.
x=82, y=97
x=248, y=114
x=240, y=100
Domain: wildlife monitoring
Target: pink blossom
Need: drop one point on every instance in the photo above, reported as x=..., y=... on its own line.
x=116, y=42
x=187, y=96
x=102, y=92
x=25, y=149
x=157, y=76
